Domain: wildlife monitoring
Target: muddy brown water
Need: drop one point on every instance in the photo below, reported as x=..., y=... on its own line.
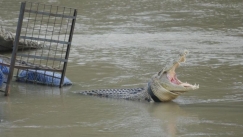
x=121, y=44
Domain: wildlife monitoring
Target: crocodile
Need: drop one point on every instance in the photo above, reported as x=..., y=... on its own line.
x=7, y=40
x=164, y=86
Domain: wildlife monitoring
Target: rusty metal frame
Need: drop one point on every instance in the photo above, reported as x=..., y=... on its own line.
x=26, y=64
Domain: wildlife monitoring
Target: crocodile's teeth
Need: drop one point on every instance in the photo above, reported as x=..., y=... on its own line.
x=196, y=86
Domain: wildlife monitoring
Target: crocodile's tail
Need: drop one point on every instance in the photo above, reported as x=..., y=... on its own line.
x=129, y=94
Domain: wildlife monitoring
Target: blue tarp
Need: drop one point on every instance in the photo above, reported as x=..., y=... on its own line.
x=42, y=77
x=1, y=78
x=35, y=76
x=3, y=71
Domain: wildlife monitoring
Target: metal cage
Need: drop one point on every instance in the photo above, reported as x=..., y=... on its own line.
x=51, y=28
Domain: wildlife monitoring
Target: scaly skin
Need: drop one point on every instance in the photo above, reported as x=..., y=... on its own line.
x=163, y=86
x=7, y=40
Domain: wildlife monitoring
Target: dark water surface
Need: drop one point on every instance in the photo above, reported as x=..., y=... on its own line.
x=121, y=44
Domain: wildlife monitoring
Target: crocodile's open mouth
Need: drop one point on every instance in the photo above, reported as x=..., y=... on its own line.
x=172, y=77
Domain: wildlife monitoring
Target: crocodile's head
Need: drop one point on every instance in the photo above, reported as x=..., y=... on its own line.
x=165, y=86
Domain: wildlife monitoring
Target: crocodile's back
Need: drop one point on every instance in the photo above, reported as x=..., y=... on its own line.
x=130, y=94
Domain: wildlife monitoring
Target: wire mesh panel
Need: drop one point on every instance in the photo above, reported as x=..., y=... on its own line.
x=51, y=27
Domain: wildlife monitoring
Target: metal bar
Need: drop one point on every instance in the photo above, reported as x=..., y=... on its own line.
x=33, y=31
x=50, y=45
x=45, y=31
x=41, y=57
x=68, y=48
x=40, y=31
x=55, y=52
x=15, y=48
x=43, y=39
x=59, y=36
x=51, y=14
x=48, y=4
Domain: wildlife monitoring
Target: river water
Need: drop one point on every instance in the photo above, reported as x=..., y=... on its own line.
x=121, y=44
